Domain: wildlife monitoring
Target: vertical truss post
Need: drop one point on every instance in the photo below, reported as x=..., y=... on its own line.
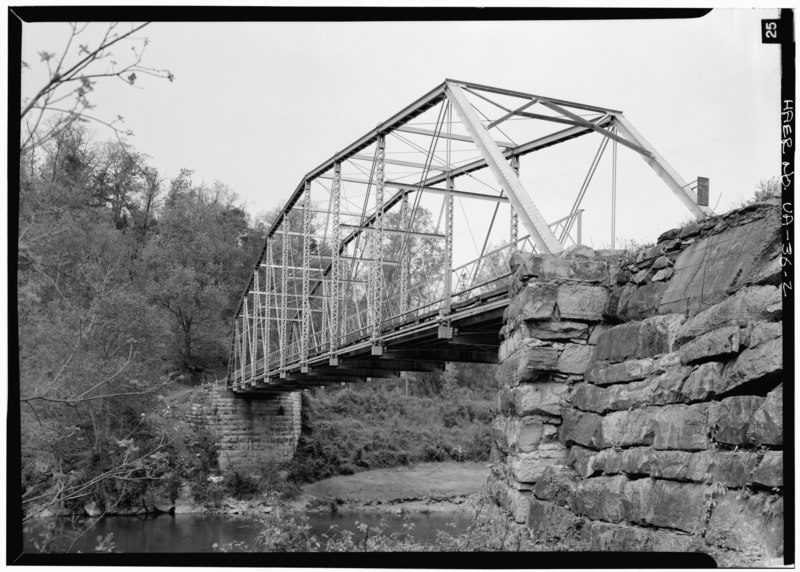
x=448, y=247
x=245, y=338
x=531, y=217
x=336, y=193
x=663, y=169
x=613, y=195
x=265, y=337
x=256, y=320
x=306, y=312
x=514, y=216
x=231, y=359
x=404, y=256
x=237, y=359
x=370, y=282
x=325, y=327
x=377, y=264
x=283, y=342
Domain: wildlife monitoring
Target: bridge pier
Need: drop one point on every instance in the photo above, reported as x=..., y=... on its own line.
x=249, y=430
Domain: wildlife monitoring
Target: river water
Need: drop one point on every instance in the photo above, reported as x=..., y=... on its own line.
x=199, y=532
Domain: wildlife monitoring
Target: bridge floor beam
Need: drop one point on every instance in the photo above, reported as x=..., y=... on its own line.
x=444, y=355
x=384, y=364
x=331, y=378
x=345, y=371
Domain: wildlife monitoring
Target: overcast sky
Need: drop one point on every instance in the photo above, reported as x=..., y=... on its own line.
x=258, y=105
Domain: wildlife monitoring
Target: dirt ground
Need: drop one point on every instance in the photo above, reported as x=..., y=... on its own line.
x=427, y=487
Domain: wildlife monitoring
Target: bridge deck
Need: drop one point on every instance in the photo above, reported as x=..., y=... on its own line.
x=419, y=344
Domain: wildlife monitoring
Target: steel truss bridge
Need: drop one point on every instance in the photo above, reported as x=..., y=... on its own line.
x=356, y=281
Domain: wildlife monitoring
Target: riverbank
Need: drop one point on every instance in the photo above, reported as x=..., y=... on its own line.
x=423, y=488
x=419, y=500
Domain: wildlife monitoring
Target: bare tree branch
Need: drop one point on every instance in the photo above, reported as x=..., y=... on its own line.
x=46, y=97
x=94, y=397
x=69, y=75
x=67, y=493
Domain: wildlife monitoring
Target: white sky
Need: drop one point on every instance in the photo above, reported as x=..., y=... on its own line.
x=258, y=105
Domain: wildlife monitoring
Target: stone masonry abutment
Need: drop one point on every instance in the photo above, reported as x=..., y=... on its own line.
x=640, y=400
x=248, y=430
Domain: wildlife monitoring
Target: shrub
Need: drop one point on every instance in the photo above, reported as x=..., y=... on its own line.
x=370, y=427
x=259, y=477
x=208, y=493
x=240, y=484
x=767, y=189
x=280, y=532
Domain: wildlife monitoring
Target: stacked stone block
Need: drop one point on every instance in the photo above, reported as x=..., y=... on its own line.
x=652, y=421
x=248, y=431
x=550, y=326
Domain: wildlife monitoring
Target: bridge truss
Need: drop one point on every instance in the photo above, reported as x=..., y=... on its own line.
x=357, y=281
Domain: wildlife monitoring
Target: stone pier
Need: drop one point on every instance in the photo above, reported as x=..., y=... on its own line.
x=247, y=430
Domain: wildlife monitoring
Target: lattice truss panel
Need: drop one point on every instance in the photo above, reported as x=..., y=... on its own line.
x=385, y=234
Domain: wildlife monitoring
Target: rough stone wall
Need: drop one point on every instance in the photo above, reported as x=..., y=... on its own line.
x=247, y=431
x=640, y=396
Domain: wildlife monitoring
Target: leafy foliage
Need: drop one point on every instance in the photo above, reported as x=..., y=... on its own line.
x=280, y=531
x=118, y=291
x=127, y=284
x=194, y=267
x=349, y=430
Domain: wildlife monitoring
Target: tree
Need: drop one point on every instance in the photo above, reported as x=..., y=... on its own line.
x=64, y=99
x=426, y=259
x=90, y=346
x=195, y=268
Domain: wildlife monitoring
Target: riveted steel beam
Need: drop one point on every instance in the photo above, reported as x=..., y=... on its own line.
x=377, y=264
x=581, y=121
x=267, y=338
x=398, y=162
x=256, y=325
x=404, y=256
x=283, y=339
x=523, y=149
x=443, y=355
x=448, y=248
x=245, y=338
x=530, y=215
x=451, y=192
x=663, y=169
x=453, y=136
x=332, y=371
x=394, y=231
x=383, y=362
x=410, y=188
x=511, y=92
x=335, y=273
